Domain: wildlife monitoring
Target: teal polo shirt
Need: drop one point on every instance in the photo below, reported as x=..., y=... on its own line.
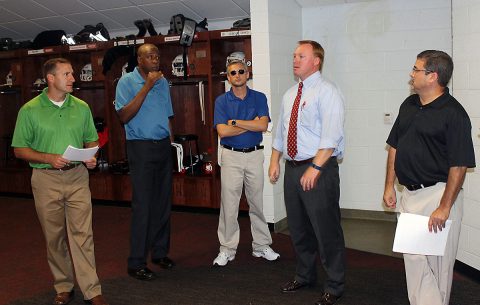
x=45, y=127
x=151, y=121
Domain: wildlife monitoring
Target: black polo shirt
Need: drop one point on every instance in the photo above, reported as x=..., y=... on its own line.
x=430, y=139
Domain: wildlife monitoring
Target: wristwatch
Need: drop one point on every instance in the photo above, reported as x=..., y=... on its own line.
x=234, y=122
x=318, y=168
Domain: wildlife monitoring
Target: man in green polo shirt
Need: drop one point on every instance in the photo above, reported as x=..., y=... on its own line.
x=45, y=127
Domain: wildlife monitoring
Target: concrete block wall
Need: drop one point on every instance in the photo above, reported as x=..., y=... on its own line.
x=370, y=48
x=466, y=88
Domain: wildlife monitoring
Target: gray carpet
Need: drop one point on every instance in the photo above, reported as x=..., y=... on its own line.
x=256, y=283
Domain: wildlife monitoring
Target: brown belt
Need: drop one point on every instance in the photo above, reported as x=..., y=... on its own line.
x=65, y=168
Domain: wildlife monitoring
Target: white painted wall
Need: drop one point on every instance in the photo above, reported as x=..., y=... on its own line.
x=466, y=88
x=276, y=27
x=370, y=48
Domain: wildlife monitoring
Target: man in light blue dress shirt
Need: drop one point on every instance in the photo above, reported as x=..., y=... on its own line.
x=311, y=181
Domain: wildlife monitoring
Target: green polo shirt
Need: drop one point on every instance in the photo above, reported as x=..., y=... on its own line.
x=45, y=127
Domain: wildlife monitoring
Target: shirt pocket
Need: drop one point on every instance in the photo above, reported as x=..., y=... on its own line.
x=306, y=114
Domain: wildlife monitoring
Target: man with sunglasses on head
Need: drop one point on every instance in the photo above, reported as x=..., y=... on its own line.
x=430, y=150
x=241, y=115
x=144, y=105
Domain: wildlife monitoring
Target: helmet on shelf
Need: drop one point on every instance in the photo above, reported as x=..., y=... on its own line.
x=177, y=65
x=86, y=74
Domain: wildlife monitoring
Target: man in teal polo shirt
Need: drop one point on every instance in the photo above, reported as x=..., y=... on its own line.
x=144, y=106
x=45, y=127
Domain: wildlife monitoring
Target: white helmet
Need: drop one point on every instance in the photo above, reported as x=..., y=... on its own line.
x=9, y=79
x=124, y=68
x=235, y=56
x=86, y=75
x=177, y=65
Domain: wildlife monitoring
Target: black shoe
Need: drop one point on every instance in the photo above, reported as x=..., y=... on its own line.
x=141, y=28
x=149, y=26
x=164, y=262
x=328, y=299
x=293, y=286
x=143, y=274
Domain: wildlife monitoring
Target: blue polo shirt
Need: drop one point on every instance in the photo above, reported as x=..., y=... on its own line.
x=151, y=121
x=230, y=107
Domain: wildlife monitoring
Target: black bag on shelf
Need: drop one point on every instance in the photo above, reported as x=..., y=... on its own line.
x=48, y=38
x=6, y=44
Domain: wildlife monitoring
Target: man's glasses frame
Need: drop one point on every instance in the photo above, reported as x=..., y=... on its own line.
x=234, y=72
x=415, y=70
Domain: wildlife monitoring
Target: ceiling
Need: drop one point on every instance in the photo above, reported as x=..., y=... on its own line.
x=24, y=19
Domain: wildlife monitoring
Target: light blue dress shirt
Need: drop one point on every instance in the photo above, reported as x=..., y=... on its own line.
x=320, y=121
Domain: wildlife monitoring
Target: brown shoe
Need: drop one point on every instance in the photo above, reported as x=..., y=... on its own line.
x=63, y=298
x=98, y=300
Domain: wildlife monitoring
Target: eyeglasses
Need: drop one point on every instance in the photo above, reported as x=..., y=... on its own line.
x=234, y=72
x=415, y=70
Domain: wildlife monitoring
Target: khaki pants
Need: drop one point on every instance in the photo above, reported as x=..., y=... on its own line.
x=239, y=169
x=64, y=209
x=429, y=278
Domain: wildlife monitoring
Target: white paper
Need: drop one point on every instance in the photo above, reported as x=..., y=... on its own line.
x=79, y=154
x=412, y=236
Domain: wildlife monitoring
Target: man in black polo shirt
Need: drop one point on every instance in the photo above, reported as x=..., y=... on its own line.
x=430, y=150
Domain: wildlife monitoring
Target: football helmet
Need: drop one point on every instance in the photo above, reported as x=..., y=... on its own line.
x=9, y=79
x=177, y=65
x=86, y=74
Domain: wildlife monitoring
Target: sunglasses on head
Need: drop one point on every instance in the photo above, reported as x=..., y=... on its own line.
x=234, y=72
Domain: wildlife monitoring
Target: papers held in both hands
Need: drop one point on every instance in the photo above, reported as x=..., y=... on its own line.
x=412, y=236
x=79, y=154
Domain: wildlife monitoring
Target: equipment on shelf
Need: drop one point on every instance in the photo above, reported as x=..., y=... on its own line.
x=192, y=163
x=144, y=26
x=178, y=68
x=48, y=38
x=242, y=24
x=86, y=75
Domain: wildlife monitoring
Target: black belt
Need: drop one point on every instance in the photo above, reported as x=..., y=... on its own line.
x=414, y=187
x=244, y=150
x=65, y=168
x=295, y=163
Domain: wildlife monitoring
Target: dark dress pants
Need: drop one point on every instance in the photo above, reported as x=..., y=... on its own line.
x=314, y=224
x=150, y=165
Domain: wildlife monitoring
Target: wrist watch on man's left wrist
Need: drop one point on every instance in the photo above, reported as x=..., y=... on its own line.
x=234, y=122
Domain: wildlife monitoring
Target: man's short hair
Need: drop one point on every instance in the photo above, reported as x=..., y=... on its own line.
x=438, y=62
x=240, y=62
x=50, y=65
x=318, y=50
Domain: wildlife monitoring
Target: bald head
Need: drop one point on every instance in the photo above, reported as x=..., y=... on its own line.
x=146, y=48
x=148, y=58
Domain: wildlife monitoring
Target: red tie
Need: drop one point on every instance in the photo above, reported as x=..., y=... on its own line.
x=292, y=128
